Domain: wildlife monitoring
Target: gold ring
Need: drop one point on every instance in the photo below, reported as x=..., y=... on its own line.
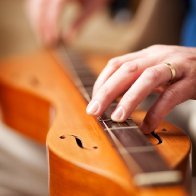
x=173, y=71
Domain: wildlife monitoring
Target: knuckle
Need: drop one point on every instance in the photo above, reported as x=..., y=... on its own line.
x=104, y=92
x=114, y=62
x=129, y=98
x=151, y=117
x=125, y=65
x=152, y=74
x=125, y=98
x=170, y=95
x=129, y=67
x=155, y=47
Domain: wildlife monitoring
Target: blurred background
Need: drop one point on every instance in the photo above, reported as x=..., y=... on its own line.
x=123, y=26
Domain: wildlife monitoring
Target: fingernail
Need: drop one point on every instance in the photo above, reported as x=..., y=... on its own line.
x=93, y=107
x=118, y=114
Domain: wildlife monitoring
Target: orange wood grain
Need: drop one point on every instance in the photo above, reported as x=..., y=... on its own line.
x=39, y=99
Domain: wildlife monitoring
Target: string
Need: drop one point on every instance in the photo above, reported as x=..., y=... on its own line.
x=135, y=168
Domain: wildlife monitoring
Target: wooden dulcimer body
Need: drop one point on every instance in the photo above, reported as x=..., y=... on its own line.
x=39, y=99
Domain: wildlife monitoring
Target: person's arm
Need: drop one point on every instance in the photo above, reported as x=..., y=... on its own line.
x=138, y=74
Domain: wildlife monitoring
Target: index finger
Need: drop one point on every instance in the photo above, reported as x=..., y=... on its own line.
x=113, y=65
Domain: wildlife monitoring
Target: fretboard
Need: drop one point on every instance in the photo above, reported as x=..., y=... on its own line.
x=140, y=156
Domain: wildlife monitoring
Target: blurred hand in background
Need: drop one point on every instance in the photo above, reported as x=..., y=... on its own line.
x=45, y=16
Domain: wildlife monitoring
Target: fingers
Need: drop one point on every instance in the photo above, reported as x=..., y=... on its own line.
x=49, y=26
x=120, y=81
x=88, y=8
x=35, y=9
x=113, y=65
x=167, y=101
x=45, y=14
x=139, y=75
x=44, y=17
x=151, y=78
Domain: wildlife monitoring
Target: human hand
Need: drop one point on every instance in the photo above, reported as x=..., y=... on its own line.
x=45, y=14
x=137, y=74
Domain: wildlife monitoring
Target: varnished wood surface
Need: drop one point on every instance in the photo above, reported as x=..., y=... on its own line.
x=39, y=99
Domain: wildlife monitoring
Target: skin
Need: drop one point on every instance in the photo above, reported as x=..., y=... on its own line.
x=45, y=16
x=137, y=75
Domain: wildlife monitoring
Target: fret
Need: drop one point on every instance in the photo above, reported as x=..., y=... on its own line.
x=130, y=138
x=123, y=128
x=137, y=149
x=147, y=175
x=107, y=114
x=140, y=156
x=115, y=125
x=152, y=158
x=157, y=178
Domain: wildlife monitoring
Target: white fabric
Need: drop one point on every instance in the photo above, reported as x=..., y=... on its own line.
x=23, y=165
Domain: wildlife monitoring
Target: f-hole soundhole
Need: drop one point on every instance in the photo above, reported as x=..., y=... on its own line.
x=79, y=142
x=157, y=137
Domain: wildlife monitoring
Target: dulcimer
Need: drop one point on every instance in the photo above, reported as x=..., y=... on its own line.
x=44, y=96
